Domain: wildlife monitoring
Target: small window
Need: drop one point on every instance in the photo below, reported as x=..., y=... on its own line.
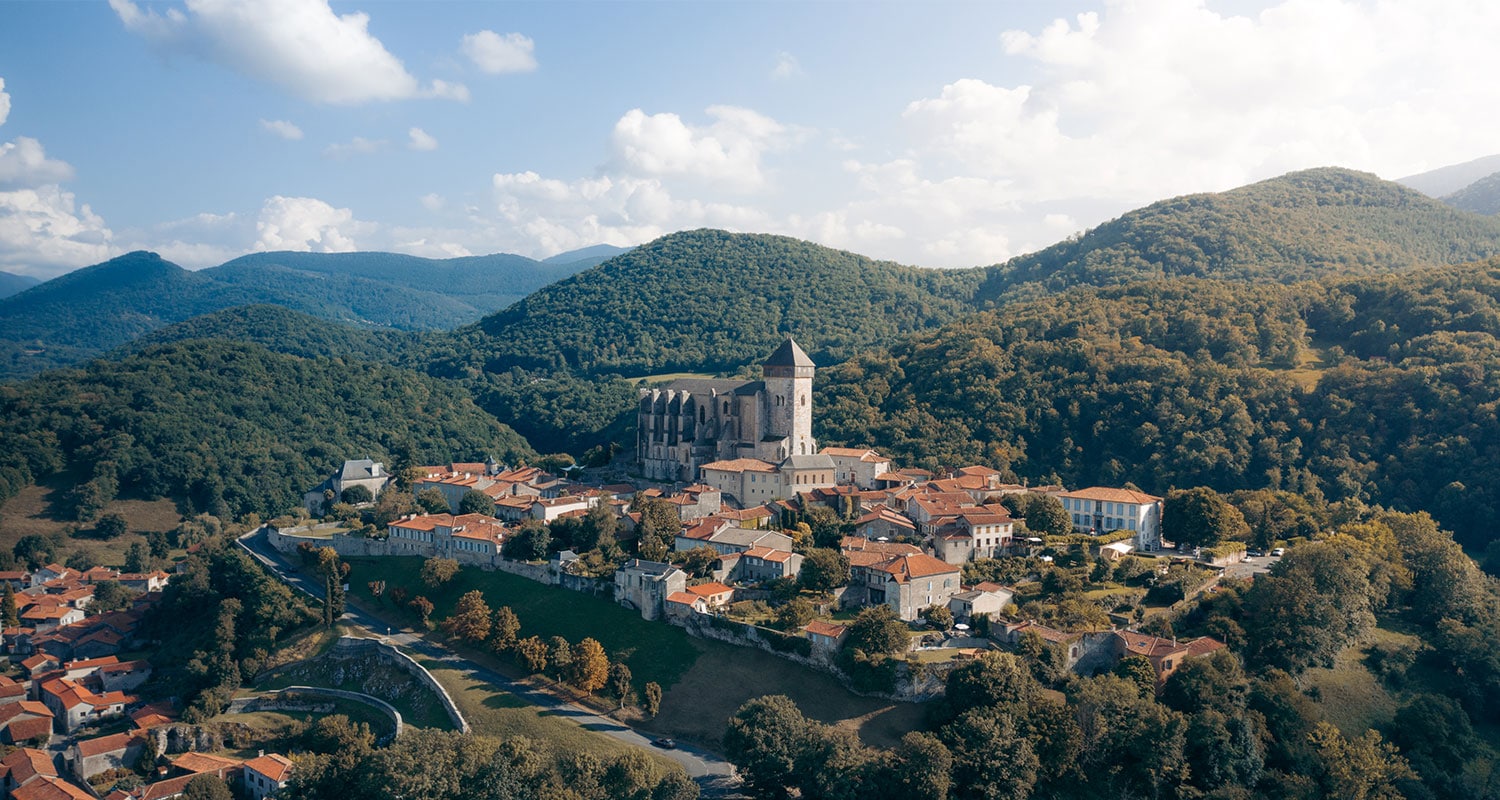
x=804, y=401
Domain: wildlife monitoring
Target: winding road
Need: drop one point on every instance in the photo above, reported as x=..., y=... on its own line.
x=714, y=776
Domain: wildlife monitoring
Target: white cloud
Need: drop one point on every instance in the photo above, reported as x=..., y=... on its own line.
x=727, y=152
x=358, y=146
x=786, y=67
x=282, y=128
x=546, y=216
x=4, y=102
x=500, y=53
x=24, y=162
x=418, y=139
x=306, y=223
x=301, y=46
x=433, y=201
x=44, y=232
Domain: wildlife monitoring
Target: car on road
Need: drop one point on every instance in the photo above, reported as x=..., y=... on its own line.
x=664, y=743
x=1255, y=554
x=1279, y=552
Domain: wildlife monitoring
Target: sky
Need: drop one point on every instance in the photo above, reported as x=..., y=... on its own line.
x=935, y=133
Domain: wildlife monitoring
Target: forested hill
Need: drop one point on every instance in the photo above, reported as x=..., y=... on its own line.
x=12, y=284
x=282, y=330
x=1189, y=382
x=1480, y=197
x=711, y=300
x=481, y=283
x=1300, y=225
x=232, y=428
x=93, y=310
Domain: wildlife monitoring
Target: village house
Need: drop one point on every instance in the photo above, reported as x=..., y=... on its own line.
x=29, y=774
x=1165, y=655
x=984, y=598
x=739, y=540
x=75, y=705
x=760, y=564
x=827, y=637
x=265, y=774
x=88, y=757
x=469, y=538
x=856, y=466
x=1100, y=509
x=907, y=583
x=884, y=523
x=982, y=532
x=363, y=472
x=645, y=585
x=25, y=721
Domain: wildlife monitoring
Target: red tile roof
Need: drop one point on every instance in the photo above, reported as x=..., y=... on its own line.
x=828, y=629
x=740, y=465
x=48, y=787
x=1109, y=495
x=88, y=748
x=274, y=766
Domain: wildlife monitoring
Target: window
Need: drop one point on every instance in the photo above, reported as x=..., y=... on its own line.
x=804, y=401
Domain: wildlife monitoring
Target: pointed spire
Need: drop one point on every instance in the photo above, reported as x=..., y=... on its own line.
x=789, y=355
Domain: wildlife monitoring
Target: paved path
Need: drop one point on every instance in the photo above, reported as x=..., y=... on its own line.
x=713, y=774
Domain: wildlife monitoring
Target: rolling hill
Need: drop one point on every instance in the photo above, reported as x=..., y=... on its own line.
x=1376, y=389
x=230, y=427
x=90, y=311
x=1480, y=197
x=711, y=300
x=13, y=284
x=1298, y=226
x=282, y=330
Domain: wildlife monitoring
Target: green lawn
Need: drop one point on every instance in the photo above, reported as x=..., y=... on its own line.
x=704, y=681
x=495, y=712
x=654, y=651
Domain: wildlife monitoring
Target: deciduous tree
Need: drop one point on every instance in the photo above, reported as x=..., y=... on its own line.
x=590, y=666
x=437, y=571
x=471, y=618
x=1200, y=517
x=823, y=570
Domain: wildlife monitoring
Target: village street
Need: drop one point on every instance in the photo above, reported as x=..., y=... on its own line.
x=713, y=774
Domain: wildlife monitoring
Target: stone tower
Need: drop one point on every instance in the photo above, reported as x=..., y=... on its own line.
x=789, y=381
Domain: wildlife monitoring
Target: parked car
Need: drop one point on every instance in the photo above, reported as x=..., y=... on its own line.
x=1279, y=552
x=664, y=743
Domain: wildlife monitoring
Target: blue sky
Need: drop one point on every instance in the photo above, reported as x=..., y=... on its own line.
x=939, y=134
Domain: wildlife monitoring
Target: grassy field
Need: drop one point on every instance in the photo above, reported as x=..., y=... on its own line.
x=705, y=681
x=35, y=511
x=495, y=712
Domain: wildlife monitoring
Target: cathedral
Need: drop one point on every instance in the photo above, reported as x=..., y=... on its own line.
x=692, y=422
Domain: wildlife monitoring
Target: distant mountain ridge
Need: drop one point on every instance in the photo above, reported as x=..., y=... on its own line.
x=92, y=310
x=1480, y=197
x=1447, y=180
x=13, y=284
x=1298, y=226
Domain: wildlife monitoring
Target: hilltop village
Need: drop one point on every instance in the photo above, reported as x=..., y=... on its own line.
x=745, y=529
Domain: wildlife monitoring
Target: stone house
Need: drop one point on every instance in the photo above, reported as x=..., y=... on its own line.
x=645, y=585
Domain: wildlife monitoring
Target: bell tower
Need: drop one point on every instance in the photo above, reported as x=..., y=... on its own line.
x=789, y=380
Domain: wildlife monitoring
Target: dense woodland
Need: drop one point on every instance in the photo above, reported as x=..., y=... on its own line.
x=90, y=311
x=708, y=300
x=1189, y=382
x=1479, y=197
x=231, y=428
x=1302, y=225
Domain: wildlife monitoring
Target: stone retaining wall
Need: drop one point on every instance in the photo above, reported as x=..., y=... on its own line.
x=381, y=705
x=355, y=647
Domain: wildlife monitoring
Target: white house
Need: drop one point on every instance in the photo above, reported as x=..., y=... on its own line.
x=1100, y=509
x=857, y=466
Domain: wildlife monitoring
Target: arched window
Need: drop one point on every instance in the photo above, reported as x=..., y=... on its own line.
x=726, y=406
x=804, y=401
x=702, y=415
